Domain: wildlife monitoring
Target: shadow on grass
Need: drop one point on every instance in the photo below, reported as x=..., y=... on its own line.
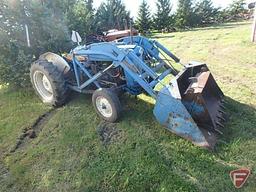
x=163, y=37
x=210, y=27
x=242, y=121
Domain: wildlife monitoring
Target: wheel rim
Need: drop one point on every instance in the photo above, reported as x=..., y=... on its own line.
x=104, y=107
x=43, y=86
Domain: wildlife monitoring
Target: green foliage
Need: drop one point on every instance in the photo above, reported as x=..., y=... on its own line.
x=234, y=12
x=237, y=10
x=163, y=18
x=59, y=7
x=205, y=13
x=144, y=22
x=15, y=70
x=81, y=18
x=184, y=14
x=237, y=7
x=47, y=31
x=111, y=15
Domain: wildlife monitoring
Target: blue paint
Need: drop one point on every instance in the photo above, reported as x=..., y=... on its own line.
x=171, y=113
x=133, y=58
x=194, y=108
x=127, y=55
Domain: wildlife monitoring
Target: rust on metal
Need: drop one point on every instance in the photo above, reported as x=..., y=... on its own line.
x=116, y=34
x=204, y=100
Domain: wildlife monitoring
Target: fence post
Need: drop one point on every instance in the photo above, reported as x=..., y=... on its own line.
x=254, y=27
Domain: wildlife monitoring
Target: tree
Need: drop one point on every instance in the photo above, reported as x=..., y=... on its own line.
x=163, y=18
x=81, y=17
x=111, y=15
x=205, y=13
x=47, y=33
x=144, y=22
x=48, y=29
x=49, y=22
x=237, y=9
x=89, y=5
x=184, y=14
x=60, y=7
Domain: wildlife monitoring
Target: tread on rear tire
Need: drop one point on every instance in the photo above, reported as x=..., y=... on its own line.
x=56, y=80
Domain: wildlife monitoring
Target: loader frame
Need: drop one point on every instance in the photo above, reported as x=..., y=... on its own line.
x=125, y=57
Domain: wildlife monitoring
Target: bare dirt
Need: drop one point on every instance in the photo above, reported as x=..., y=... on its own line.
x=109, y=133
x=33, y=131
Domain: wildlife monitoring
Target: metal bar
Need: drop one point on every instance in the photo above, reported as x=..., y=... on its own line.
x=169, y=62
x=155, y=69
x=141, y=40
x=85, y=71
x=139, y=80
x=143, y=65
x=155, y=56
x=95, y=77
x=77, y=38
x=254, y=27
x=131, y=32
x=76, y=71
x=162, y=62
x=75, y=88
x=160, y=78
x=88, y=52
x=27, y=35
x=158, y=67
x=170, y=54
x=151, y=55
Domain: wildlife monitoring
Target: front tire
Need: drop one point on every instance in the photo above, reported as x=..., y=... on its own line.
x=49, y=83
x=107, y=105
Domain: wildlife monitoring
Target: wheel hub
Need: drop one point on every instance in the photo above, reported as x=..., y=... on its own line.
x=43, y=86
x=47, y=84
x=104, y=106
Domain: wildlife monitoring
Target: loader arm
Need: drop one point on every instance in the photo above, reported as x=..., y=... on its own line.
x=191, y=105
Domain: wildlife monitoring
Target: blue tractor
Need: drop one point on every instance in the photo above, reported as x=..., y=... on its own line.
x=190, y=105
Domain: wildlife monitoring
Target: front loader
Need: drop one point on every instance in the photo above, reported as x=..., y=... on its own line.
x=191, y=105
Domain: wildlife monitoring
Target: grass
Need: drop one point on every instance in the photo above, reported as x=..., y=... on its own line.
x=69, y=154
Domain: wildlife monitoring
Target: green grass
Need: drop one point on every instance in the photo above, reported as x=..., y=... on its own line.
x=69, y=155
x=18, y=111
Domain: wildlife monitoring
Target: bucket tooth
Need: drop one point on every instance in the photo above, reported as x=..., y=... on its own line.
x=218, y=131
x=197, y=112
x=220, y=124
x=223, y=101
x=222, y=118
x=223, y=107
x=222, y=112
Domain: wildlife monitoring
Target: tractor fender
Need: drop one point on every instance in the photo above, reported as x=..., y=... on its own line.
x=57, y=60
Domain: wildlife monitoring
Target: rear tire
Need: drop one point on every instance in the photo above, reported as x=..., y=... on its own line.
x=107, y=105
x=49, y=83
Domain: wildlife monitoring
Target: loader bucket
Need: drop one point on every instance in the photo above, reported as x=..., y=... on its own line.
x=192, y=106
